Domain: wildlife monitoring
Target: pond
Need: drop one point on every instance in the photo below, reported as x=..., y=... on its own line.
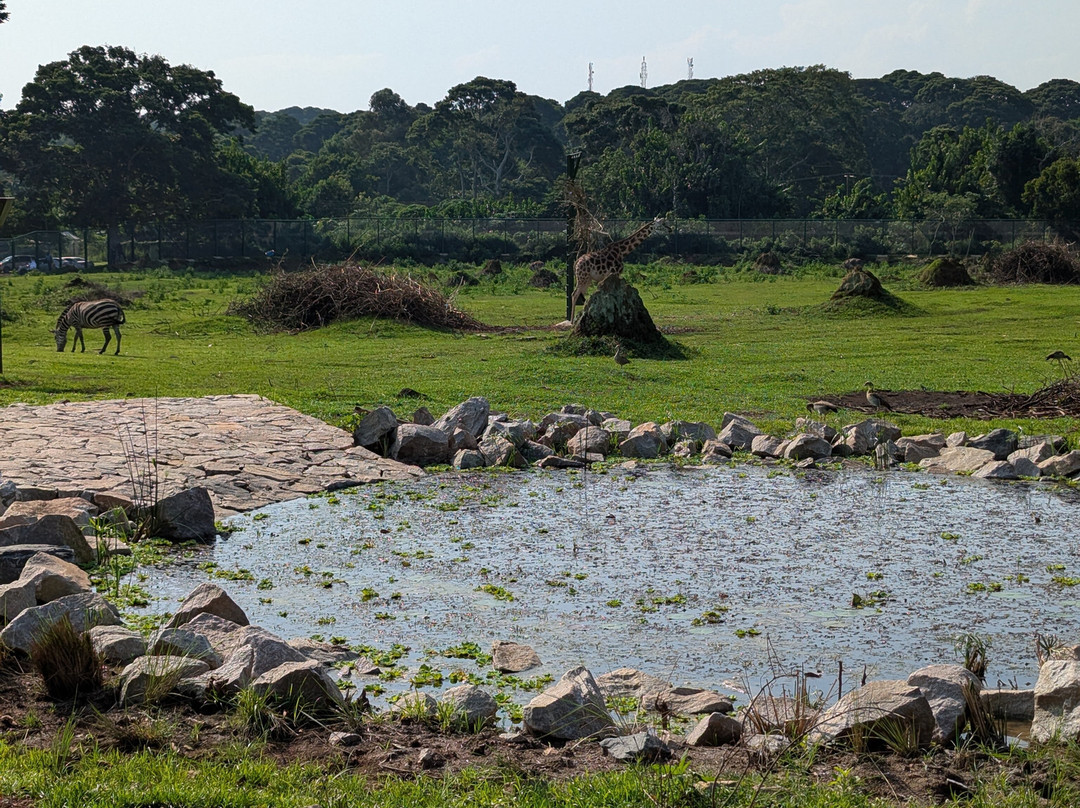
x=722, y=577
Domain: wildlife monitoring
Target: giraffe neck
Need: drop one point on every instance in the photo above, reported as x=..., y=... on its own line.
x=625, y=246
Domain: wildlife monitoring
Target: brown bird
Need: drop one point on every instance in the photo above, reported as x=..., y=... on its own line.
x=823, y=408
x=620, y=356
x=875, y=400
x=1061, y=358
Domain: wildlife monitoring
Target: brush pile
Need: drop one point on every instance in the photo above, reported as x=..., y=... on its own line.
x=1059, y=399
x=297, y=301
x=1035, y=262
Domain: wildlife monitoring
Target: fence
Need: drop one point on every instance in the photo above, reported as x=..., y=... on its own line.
x=477, y=240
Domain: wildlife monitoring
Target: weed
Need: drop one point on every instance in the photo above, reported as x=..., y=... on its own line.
x=66, y=660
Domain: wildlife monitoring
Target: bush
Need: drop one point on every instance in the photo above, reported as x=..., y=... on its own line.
x=66, y=660
x=1035, y=262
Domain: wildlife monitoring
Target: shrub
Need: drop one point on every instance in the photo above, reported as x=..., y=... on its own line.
x=66, y=660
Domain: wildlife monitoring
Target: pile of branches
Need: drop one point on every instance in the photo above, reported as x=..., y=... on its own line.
x=1059, y=399
x=1036, y=262
x=297, y=301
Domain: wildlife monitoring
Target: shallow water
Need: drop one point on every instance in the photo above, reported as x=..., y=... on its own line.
x=611, y=570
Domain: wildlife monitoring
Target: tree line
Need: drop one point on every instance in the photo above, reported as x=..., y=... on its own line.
x=108, y=136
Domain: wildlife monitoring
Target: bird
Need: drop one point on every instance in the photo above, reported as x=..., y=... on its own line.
x=823, y=408
x=1061, y=358
x=620, y=356
x=874, y=399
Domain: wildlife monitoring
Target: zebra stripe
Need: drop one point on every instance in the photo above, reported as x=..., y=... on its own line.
x=103, y=314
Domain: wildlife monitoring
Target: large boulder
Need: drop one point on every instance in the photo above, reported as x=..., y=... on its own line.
x=943, y=686
x=630, y=682
x=53, y=578
x=181, y=642
x=13, y=558
x=498, y=451
x=615, y=309
x=645, y=441
x=689, y=701
x=1064, y=465
x=472, y=707
x=737, y=432
x=15, y=598
x=590, y=440
x=471, y=415
x=1057, y=698
x=154, y=678
x=302, y=683
x=805, y=446
x=420, y=445
x=117, y=645
x=1002, y=442
x=920, y=447
x=84, y=610
x=26, y=511
x=185, y=516
x=715, y=729
x=209, y=598
x=376, y=430
x=55, y=529
x=876, y=710
x=571, y=709
x=674, y=431
x=512, y=657
x=957, y=459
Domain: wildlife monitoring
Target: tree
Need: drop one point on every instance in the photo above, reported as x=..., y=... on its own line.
x=3, y=11
x=1055, y=193
x=108, y=136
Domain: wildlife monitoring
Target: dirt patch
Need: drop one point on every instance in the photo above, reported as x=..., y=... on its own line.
x=1061, y=399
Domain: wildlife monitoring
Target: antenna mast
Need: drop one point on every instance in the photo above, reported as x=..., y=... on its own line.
x=644, y=73
x=590, y=77
x=690, y=67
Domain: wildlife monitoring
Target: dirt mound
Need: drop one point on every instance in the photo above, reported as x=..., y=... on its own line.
x=1035, y=262
x=1061, y=399
x=543, y=278
x=314, y=298
x=769, y=263
x=945, y=272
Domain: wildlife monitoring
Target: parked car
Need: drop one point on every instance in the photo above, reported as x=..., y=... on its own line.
x=74, y=262
x=19, y=264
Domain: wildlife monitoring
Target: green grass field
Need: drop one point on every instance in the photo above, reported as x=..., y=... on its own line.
x=755, y=344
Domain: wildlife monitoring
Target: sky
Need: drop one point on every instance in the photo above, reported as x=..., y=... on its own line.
x=336, y=53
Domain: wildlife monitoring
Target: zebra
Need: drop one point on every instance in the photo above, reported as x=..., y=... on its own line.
x=103, y=314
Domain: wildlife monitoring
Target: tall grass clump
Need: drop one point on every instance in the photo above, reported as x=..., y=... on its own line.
x=67, y=661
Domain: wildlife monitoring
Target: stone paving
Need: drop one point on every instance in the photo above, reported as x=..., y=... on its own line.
x=246, y=450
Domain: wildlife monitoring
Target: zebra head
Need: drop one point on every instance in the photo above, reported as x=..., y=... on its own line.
x=61, y=338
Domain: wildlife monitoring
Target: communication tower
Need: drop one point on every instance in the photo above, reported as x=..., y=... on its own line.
x=690, y=67
x=590, y=77
x=644, y=73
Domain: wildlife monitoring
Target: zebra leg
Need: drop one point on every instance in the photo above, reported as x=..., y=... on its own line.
x=108, y=336
x=116, y=328
x=77, y=340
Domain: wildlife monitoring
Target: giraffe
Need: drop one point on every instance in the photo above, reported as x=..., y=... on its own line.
x=593, y=267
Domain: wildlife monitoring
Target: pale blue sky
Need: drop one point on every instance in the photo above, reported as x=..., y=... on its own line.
x=336, y=53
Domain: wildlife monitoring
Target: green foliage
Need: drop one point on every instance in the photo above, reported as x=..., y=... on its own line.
x=66, y=660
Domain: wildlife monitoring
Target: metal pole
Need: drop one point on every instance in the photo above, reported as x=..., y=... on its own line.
x=572, y=163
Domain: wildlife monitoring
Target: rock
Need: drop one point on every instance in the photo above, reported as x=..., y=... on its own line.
x=556, y=462
x=957, y=459
x=181, y=642
x=510, y=657
x=590, y=440
x=55, y=529
x=340, y=738
x=498, y=451
x=1009, y=705
x=867, y=711
x=471, y=415
x=1036, y=453
x=517, y=432
x=415, y=704
x=997, y=470
x=300, y=683
x=766, y=747
x=224, y=635
x=1057, y=699
x=117, y=645
x=1002, y=442
x=863, y=437
x=467, y=459
x=325, y=652
x=570, y=710
x=185, y=516
x=784, y=714
x=956, y=439
x=645, y=441
x=686, y=448
x=737, y=432
x=211, y=599
x=53, y=578
x=690, y=701
x=615, y=309
x=534, y=452
x=15, y=598
x=632, y=683
x=420, y=445
x=1064, y=465
x=1025, y=468
x=153, y=678
x=77, y=509
x=376, y=430
x=769, y=446
x=641, y=746
x=472, y=706
x=422, y=415
x=14, y=557
x=713, y=451
x=943, y=686
x=84, y=610
x=806, y=446
x=462, y=439
x=715, y=729
x=618, y=427
x=674, y=431
x=920, y=447
x=1058, y=444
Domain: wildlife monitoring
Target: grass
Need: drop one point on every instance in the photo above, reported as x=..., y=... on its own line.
x=761, y=347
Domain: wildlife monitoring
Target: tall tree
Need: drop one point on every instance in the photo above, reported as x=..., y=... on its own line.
x=108, y=136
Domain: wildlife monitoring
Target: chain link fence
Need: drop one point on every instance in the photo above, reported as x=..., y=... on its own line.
x=432, y=241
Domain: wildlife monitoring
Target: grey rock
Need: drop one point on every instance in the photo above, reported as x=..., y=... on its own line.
x=224, y=635
x=556, y=462
x=181, y=642
x=783, y=714
x=997, y=470
x=117, y=645
x=1036, y=453
x=957, y=459
x=422, y=416
x=153, y=678
x=1009, y=705
x=715, y=729
x=498, y=451
x=414, y=703
x=590, y=440
x=511, y=657
x=864, y=711
x=956, y=439
x=806, y=446
x=53, y=578
x=815, y=428
x=325, y=652
x=420, y=445
x=462, y=439
x=1002, y=442
x=472, y=706
x=674, y=431
x=632, y=683
x=14, y=557
x=185, y=516
x=77, y=509
x=15, y=598
x=84, y=610
x=737, y=432
x=713, y=451
x=55, y=529
x=340, y=738
x=619, y=427
x=376, y=430
x=920, y=447
x=304, y=682
x=644, y=441
x=768, y=446
x=686, y=448
x=1057, y=701
x=690, y=701
x=943, y=686
x=534, y=452
x=471, y=415
x=466, y=459
x=641, y=746
x=1064, y=465
x=211, y=599
x=570, y=710
x=517, y=432
x=862, y=438
x=1024, y=467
